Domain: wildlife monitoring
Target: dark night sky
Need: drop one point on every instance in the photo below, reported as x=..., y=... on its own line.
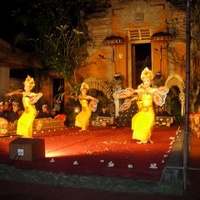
x=9, y=26
x=5, y=20
x=8, y=29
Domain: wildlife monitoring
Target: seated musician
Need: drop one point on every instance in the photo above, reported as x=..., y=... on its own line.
x=104, y=112
x=44, y=112
x=162, y=112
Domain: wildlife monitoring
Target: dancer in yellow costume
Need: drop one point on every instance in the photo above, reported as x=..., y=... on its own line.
x=25, y=122
x=143, y=121
x=88, y=104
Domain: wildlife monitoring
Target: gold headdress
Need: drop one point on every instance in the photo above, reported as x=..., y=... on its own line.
x=84, y=86
x=146, y=73
x=29, y=81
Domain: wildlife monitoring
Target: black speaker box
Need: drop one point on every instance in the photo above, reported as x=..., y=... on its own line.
x=28, y=149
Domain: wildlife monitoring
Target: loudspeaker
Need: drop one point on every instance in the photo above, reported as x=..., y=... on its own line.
x=28, y=149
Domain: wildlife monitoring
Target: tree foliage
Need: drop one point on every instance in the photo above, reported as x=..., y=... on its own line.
x=194, y=48
x=60, y=42
x=56, y=36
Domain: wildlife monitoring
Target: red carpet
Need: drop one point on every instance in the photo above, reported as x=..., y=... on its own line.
x=101, y=151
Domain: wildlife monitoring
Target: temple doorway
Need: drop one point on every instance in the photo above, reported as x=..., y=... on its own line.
x=58, y=99
x=141, y=58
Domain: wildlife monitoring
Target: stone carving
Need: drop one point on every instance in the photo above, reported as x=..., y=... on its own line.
x=98, y=84
x=137, y=12
x=176, y=80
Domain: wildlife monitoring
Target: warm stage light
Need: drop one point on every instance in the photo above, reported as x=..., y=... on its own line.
x=55, y=153
x=76, y=109
x=63, y=151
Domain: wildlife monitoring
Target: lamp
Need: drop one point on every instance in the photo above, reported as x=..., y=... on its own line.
x=76, y=109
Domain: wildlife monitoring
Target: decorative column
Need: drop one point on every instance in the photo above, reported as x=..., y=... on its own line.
x=161, y=41
x=114, y=40
x=4, y=80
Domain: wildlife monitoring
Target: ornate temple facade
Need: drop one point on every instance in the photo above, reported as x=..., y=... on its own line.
x=125, y=36
x=131, y=35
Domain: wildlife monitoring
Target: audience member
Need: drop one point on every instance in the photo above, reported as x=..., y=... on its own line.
x=162, y=112
x=7, y=106
x=13, y=115
x=104, y=112
x=44, y=112
x=53, y=113
x=2, y=111
x=57, y=103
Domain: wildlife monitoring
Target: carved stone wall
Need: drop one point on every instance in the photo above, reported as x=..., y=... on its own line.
x=137, y=13
x=99, y=27
x=98, y=84
x=176, y=80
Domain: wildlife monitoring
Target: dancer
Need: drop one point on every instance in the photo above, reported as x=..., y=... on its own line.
x=25, y=122
x=143, y=121
x=88, y=104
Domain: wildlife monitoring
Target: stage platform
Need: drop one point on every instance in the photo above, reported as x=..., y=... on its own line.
x=104, y=158
x=102, y=151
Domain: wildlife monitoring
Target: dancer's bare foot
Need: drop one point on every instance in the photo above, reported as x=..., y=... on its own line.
x=83, y=130
x=141, y=142
x=151, y=141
